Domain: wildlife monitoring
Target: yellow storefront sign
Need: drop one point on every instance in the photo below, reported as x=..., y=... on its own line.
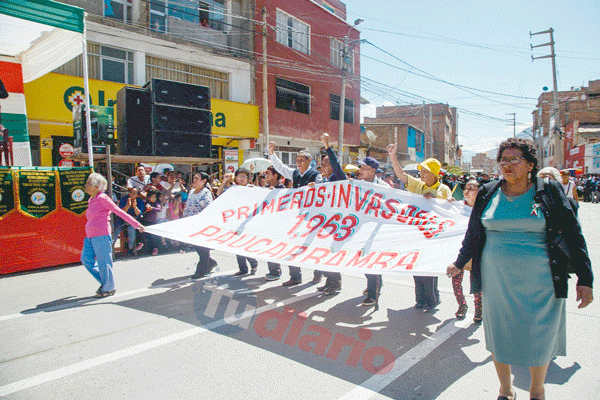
x=50, y=99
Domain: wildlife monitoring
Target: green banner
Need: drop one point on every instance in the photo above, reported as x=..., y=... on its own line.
x=72, y=189
x=7, y=198
x=37, y=192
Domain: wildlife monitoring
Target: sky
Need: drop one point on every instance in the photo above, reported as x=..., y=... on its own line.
x=476, y=56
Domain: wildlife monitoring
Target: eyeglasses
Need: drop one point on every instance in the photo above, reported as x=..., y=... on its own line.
x=511, y=160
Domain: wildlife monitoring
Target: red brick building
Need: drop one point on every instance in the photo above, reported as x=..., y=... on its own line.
x=437, y=121
x=305, y=73
x=577, y=108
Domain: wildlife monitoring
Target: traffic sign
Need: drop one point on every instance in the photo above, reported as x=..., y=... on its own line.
x=66, y=150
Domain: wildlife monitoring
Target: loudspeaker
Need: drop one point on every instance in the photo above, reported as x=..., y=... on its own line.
x=134, y=121
x=173, y=144
x=103, y=129
x=180, y=119
x=178, y=94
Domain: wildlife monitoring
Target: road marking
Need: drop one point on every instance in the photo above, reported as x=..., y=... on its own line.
x=406, y=361
x=133, y=350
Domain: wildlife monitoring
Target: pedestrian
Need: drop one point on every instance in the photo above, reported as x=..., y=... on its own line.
x=300, y=176
x=470, y=194
x=199, y=197
x=273, y=181
x=242, y=178
x=97, y=252
x=515, y=239
x=427, y=294
x=333, y=172
x=139, y=179
x=367, y=171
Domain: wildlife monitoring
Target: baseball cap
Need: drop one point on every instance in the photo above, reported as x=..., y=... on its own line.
x=432, y=165
x=370, y=161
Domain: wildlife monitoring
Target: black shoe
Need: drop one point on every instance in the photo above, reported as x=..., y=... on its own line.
x=99, y=290
x=434, y=305
x=291, y=282
x=197, y=275
x=253, y=270
x=369, y=302
x=332, y=290
x=240, y=273
x=322, y=288
x=316, y=280
x=418, y=306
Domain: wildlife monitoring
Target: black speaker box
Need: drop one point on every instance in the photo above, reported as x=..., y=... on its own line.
x=180, y=119
x=179, y=94
x=134, y=121
x=173, y=144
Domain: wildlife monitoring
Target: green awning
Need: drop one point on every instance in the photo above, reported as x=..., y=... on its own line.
x=45, y=12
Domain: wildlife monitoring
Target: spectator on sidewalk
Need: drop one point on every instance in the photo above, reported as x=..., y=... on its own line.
x=134, y=206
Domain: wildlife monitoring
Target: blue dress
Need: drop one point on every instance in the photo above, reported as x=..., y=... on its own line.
x=524, y=322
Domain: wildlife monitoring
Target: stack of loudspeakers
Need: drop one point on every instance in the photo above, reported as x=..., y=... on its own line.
x=166, y=118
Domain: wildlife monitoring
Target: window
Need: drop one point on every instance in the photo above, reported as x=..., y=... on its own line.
x=334, y=109
x=158, y=16
x=116, y=65
x=292, y=32
x=287, y=157
x=292, y=96
x=335, y=55
x=104, y=63
x=217, y=81
x=118, y=9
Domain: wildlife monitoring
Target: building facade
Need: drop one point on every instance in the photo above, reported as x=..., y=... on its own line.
x=409, y=139
x=579, y=117
x=207, y=43
x=305, y=41
x=438, y=121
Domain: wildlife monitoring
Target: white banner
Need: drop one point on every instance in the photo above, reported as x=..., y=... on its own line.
x=352, y=227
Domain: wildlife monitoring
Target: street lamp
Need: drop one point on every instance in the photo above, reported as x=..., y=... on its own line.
x=346, y=47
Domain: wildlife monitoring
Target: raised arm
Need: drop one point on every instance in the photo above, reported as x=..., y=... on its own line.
x=338, y=172
x=279, y=166
x=391, y=149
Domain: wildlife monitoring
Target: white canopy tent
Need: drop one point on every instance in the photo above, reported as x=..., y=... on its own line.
x=43, y=35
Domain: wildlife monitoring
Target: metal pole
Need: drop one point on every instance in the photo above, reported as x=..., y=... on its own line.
x=265, y=99
x=430, y=134
x=342, y=103
x=558, y=136
x=86, y=88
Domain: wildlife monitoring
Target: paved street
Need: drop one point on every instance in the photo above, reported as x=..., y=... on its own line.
x=164, y=336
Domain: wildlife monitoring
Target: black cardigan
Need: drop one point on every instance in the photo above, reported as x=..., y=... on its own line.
x=560, y=219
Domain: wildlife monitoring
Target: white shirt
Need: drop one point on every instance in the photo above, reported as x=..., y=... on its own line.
x=568, y=188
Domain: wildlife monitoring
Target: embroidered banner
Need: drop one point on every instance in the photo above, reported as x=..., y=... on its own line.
x=37, y=192
x=349, y=227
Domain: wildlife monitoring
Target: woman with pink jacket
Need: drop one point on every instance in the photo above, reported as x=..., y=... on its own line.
x=96, y=254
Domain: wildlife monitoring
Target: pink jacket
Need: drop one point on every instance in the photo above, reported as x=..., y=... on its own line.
x=98, y=216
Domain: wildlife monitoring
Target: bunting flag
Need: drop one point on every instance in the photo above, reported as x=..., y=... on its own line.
x=352, y=227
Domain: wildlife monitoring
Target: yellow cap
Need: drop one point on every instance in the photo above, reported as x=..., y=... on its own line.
x=432, y=165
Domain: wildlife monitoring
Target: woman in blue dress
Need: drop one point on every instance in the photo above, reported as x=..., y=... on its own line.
x=513, y=237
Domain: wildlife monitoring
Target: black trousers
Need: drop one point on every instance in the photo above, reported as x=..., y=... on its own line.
x=296, y=273
x=426, y=290
x=373, y=286
x=243, y=265
x=334, y=279
x=204, y=259
x=274, y=268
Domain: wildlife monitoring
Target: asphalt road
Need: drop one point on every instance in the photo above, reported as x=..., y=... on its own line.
x=164, y=336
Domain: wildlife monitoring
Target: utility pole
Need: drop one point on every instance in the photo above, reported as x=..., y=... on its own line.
x=557, y=136
x=430, y=134
x=265, y=98
x=514, y=124
x=346, y=48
